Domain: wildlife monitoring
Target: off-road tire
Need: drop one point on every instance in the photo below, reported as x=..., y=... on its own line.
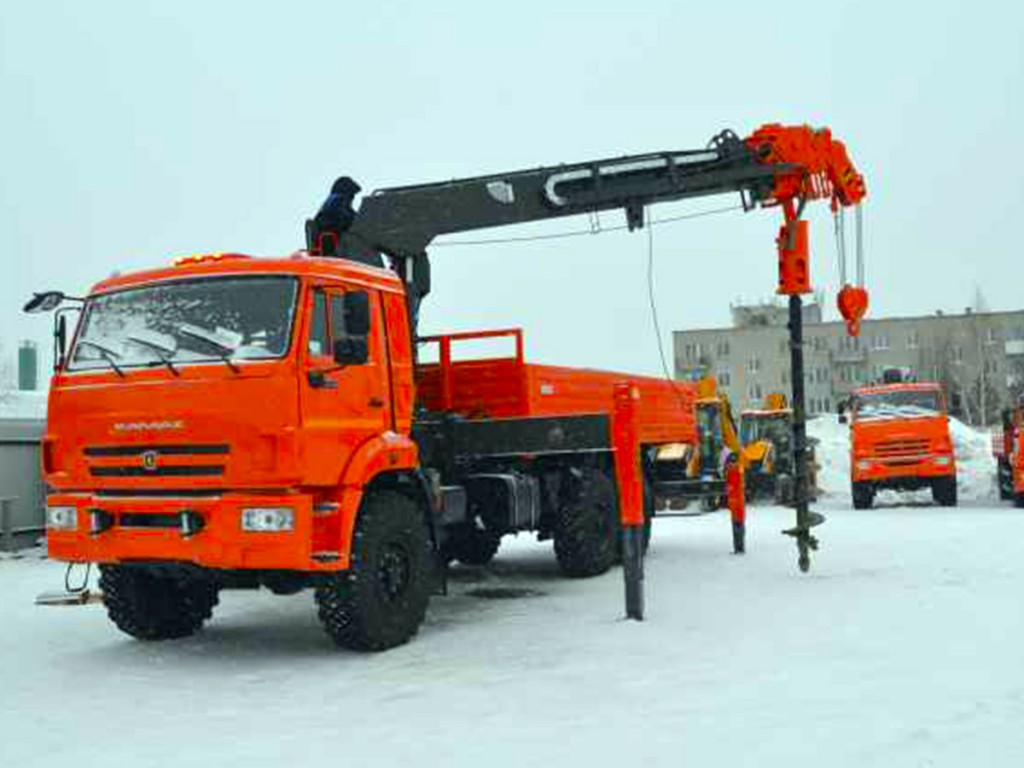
x=587, y=528
x=944, y=491
x=1018, y=500
x=382, y=599
x=1004, y=479
x=863, y=495
x=472, y=546
x=152, y=607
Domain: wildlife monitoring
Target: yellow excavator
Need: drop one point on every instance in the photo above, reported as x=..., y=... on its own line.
x=716, y=427
x=767, y=437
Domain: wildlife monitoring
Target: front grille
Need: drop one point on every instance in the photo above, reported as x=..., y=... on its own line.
x=901, y=448
x=177, y=470
x=160, y=450
x=148, y=460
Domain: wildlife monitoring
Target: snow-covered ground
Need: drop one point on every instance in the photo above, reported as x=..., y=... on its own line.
x=901, y=647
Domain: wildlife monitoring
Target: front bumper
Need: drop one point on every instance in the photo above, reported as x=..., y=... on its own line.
x=203, y=530
x=877, y=469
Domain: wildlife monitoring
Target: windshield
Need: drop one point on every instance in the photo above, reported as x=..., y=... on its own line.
x=897, y=405
x=214, y=319
x=775, y=429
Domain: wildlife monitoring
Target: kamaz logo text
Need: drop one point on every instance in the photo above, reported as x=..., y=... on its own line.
x=139, y=426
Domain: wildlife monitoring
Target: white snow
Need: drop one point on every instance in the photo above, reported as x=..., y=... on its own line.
x=901, y=647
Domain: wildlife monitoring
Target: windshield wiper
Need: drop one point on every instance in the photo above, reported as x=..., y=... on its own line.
x=223, y=350
x=162, y=353
x=106, y=353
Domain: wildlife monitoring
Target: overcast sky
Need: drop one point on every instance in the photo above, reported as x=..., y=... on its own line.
x=136, y=131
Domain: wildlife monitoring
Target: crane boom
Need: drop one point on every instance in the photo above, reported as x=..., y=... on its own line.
x=774, y=164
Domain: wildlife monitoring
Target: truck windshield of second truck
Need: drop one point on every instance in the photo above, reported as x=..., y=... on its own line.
x=898, y=405
x=189, y=321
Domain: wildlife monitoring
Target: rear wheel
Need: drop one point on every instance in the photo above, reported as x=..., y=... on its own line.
x=153, y=607
x=944, y=491
x=587, y=529
x=381, y=600
x=863, y=495
x=1018, y=500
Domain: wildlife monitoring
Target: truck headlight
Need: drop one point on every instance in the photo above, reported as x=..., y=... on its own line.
x=942, y=461
x=268, y=519
x=864, y=464
x=62, y=518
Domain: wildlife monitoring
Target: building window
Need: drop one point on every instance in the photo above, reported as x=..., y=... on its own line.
x=754, y=364
x=913, y=340
x=992, y=337
x=819, y=344
x=957, y=354
x=724, y=378
x=821, y=374
x=754, y=391
x=991, y=366
x=849, y=343
x=880, y=341
x=722, y=350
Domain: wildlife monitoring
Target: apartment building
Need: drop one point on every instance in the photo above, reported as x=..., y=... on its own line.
x=978, y=356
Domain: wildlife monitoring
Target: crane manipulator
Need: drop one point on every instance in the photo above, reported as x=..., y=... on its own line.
x=776, y=166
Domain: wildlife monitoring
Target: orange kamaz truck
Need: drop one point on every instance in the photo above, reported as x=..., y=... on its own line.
x=226, y=421
x=1008, y=450
x=899, y=439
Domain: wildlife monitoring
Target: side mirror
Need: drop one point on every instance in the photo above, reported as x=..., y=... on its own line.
x=357, y=314
x=60, y=341
x=43, y=302
x=351, y=350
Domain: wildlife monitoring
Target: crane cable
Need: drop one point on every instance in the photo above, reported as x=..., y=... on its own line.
x=593, y=230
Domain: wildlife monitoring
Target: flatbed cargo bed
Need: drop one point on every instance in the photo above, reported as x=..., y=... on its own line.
x=510, y=388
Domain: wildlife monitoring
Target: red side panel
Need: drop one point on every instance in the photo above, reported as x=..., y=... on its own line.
x=509, y=388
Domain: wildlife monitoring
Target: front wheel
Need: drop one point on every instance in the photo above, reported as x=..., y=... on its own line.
x=382, y=599
x=148, y=606
x=863, y=495
x=944, y=491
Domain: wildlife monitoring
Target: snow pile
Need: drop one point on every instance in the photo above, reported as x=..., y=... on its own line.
x=975, y=464
x=22, y=405
x=976, y=468
x=832, y=454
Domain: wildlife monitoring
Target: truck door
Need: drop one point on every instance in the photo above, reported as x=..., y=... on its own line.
x=343, y=406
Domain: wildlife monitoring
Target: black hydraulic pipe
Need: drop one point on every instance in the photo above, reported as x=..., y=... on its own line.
x=633, y=570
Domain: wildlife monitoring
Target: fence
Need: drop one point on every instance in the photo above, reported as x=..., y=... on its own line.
x=22, y=492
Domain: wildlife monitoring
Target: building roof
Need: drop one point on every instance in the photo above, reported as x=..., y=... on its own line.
x=867, y=322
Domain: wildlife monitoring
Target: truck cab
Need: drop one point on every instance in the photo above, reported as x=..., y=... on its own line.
x=899, y=439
